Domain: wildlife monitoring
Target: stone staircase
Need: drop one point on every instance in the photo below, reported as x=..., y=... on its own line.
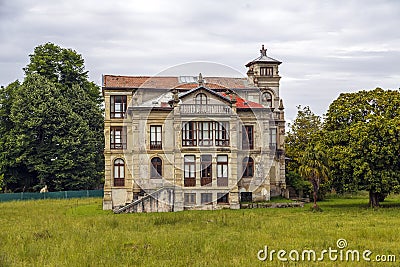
x=160, y=200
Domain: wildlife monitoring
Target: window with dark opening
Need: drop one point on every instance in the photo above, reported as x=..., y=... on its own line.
x=247, y=137
x=266, y=71
x=206, y=198
x=189, y=170
x=267, y=99
x=248, y=167
x=222, y=198
x=206, y=170
x=222, y=133
x=119, y=172
x=222, y=170
x=118, y=137
x=117, y=106
x=189, y=199
x=205, y=133
x=155, y=137
x=189, y=134
x=156, y=168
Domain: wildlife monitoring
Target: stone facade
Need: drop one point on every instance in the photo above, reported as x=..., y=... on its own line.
x=213, y=142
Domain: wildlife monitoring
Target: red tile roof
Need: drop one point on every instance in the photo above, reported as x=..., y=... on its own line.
x=159, y=82
x=243, y=103
x=139, y=81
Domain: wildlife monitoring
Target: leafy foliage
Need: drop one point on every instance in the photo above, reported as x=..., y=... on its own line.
x=314, y=168
x=1, y=182
x=362, y=137
x=303, y=136
x=52, y=132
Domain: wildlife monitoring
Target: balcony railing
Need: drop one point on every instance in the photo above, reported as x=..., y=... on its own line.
x=119, y=182
x=206, y=181
x=189, y=182
x=204, y=109
x=155, y=145
x=222, y=181
x=118, y=145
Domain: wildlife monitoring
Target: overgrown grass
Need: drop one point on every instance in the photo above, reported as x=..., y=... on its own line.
x=78, y=232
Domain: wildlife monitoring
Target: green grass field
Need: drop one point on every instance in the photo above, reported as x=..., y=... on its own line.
x=78, y=232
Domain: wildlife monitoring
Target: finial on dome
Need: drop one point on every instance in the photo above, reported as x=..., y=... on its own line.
x=281, y=105
x=200, y=80
x=263, y=51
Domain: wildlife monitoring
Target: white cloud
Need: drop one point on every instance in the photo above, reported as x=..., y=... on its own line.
x=326, y=47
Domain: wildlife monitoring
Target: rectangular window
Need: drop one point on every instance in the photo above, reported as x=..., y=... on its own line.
x=205, y=133
x=248, y=167
x=222, y=170
x=118, y=137
x=248, y=137
x=155, y=137
x=206, y=170
x=266, y=71
x=272, y=138
x=189, y=134
x=246, y=197
x=206, y=198
x=119, y=172
x=117, y=106
x=190, y=170
x=222, y=198
x=190, y=199
x=222, y=133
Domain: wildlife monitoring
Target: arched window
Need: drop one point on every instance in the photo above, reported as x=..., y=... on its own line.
x=201, y=99
x=119, y=172
x=156, y=168
x=248, y=167
x=266, y=99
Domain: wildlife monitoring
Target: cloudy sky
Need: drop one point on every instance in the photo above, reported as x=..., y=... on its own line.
x=326, y=47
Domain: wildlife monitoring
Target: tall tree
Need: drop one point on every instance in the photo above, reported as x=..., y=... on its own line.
x=314, y=168
x=52, y=141
x=363, y=133
x=63, y=66
x=303, y=133
x=57, y=124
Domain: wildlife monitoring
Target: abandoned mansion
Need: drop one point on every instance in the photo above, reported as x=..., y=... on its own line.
x=194, y=142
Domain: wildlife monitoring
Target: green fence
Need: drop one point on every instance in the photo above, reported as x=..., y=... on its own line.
x=51, y=195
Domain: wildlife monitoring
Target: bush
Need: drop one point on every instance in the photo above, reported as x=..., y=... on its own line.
x=302, y=187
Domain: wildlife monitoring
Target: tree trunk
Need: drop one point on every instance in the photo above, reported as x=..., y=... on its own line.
x=315, y=193
x=373, y=199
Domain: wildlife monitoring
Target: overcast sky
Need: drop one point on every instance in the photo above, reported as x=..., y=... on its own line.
x=327, y=47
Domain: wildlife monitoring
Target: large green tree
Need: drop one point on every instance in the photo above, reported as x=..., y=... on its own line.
x=362, y=140
x=53, y=127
